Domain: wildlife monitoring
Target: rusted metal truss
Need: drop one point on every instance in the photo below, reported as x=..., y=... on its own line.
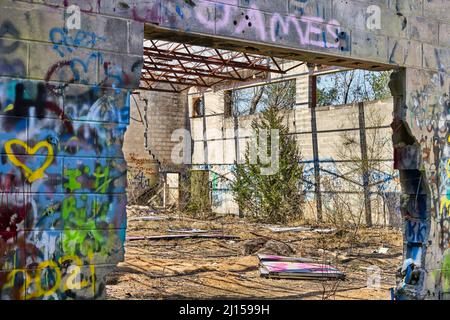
x=175, y=67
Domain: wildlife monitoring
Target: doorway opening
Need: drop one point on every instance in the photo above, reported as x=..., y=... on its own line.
x=192, y=126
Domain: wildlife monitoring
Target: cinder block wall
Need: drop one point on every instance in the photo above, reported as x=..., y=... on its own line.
x=143, y=168
x=148, y=144
x=64, y=109
x=135, y=140
x=336, y=125
x=167, y=112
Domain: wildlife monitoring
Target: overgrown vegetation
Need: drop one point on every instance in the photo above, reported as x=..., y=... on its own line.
x=195, y=194
x=275, y=198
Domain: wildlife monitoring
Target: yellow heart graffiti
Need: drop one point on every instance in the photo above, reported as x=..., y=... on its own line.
x=30, y=174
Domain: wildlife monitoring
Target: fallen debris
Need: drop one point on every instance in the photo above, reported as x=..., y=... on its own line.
x=190, y=231
x=149, y=218
x=382, y=250
x=182, y=236
x=265, y=245
x=279, y=268
x=343, y=258
x=168, y=269
x=375, y=255
x=141, y=210
x=299, y=229
x=253, y=245
x=269, y=257
x=289, y=229
x=324, y=230
x=276, y=248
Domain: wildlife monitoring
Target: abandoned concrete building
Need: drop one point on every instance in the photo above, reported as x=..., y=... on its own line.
x=75, y=74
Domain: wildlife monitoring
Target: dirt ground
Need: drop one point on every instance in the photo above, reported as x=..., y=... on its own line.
x=228, y=269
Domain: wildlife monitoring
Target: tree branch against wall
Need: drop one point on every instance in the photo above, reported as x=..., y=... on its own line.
x=352, y=86
x=348, y=195
x=253, y=100
x=345, y=201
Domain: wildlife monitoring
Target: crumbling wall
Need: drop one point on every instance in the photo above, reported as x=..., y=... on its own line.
x=166, y=113
x=411, y=33
x=142, y=167
x=421, y=137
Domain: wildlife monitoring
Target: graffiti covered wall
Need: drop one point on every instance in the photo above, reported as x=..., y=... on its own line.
x=424, y=165
x=64, y=110
x=78, y=155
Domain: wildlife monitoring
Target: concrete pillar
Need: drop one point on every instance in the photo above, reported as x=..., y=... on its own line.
x=315, y=143
x=365, y=163
x=424, y=274
x=64, y=109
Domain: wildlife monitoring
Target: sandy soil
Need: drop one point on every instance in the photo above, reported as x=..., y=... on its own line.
x=221, y=269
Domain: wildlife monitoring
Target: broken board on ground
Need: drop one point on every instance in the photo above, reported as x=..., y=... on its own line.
x=288, y=229
x=182, y=236
x=298, y=229
x=277, y=267
x=192, y=231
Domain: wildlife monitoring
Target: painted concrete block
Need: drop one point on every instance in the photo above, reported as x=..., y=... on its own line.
x=422, y=29
x=24, y=21
x=322, y=9
x=434, y=9
x=14, y=57
x=368, y=45
x=407, y=7
x=79, y=66
x=405, y=52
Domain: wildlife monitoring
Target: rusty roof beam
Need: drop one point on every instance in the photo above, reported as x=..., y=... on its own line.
x=205, y=60
x=225, y=63
x=184, y=83
x=276, y=63
x=182, y=66
x=159, y=90
x=296, y=66
x=189, y=71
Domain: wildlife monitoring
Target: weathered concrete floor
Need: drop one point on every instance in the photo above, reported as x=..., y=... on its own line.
x=218, y=269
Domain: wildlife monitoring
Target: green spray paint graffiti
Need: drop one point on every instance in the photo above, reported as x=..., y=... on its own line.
x=62, y=178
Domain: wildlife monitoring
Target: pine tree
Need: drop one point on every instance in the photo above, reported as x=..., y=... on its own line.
x=273, y=198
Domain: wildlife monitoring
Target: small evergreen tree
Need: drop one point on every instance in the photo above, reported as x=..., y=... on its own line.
x=275, y=198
